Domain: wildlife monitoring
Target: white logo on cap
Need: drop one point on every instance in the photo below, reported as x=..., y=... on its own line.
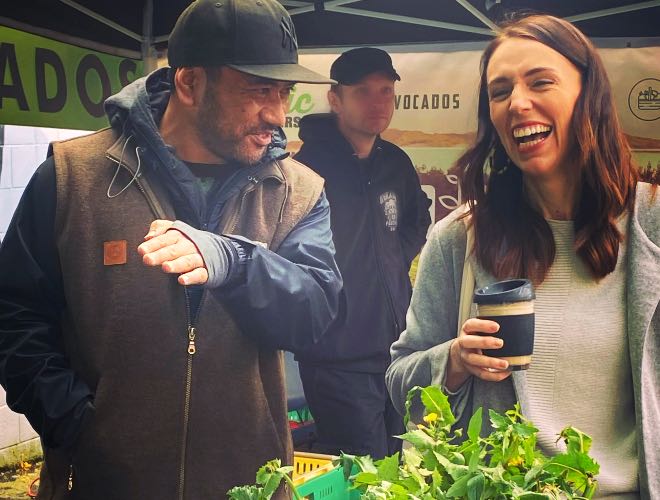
x=288, y=34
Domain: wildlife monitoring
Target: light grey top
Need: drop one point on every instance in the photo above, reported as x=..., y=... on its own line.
x=582, y=322
x=420, y=355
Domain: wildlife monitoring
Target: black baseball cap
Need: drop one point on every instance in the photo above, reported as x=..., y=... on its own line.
x=353, y=65
x=256, y=37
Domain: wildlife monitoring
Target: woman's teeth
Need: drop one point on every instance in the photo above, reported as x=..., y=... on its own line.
x=529, y=136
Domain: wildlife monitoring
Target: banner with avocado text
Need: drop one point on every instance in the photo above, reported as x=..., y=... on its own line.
x=46, y=83
x=436, y=108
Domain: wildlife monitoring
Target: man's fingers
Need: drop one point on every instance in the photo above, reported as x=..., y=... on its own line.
x=162, y=241
x=198, y=276
x=183, y=264
x=170, y=252
x=157, y=228
x=174, y=252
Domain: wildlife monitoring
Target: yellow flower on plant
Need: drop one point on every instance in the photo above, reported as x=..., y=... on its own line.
x=515, y=462
x=430, y=418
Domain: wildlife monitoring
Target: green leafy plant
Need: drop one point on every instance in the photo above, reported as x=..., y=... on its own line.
x=268, y=480
x=440, y=464
x=505, y=464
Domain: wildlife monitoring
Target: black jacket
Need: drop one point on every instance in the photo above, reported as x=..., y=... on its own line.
x=379, y=218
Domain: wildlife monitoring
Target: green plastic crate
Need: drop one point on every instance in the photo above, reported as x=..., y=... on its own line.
x=328, y=486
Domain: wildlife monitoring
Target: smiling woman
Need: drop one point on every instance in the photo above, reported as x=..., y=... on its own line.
x=531, y=106
x=552, y=196
x=548, y=130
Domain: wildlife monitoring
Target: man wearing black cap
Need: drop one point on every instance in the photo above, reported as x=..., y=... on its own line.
x=379, y=222
x=149, y=365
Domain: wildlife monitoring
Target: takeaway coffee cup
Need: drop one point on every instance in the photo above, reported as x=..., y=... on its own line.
x=510, y=304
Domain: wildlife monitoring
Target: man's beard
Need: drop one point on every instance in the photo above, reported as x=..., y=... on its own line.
x=227, y=144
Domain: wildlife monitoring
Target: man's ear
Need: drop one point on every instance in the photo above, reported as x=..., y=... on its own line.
x=189, y=85
x=334, y=100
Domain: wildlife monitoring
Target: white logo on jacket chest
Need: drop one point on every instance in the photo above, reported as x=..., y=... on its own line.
x=388, y=201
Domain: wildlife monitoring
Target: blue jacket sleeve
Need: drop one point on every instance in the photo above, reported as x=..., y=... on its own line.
x=34, y=371
x=287, y=299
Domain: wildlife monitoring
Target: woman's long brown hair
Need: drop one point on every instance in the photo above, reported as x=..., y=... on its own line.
x=511, y=238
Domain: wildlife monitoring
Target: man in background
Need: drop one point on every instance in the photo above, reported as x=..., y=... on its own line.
x=380, y=218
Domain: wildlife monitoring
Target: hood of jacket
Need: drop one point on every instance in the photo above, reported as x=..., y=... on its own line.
x=135, y=112
x=321, y=129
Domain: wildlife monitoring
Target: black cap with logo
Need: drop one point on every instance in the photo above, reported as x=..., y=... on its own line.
x=353, y=65
x=256, y=37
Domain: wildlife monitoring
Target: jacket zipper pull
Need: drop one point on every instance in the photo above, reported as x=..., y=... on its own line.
x=191, y=340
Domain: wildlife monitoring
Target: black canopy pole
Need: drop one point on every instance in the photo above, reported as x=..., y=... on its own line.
x=149, y=58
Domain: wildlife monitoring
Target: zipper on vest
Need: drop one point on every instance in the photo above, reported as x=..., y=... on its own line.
x=191, y=350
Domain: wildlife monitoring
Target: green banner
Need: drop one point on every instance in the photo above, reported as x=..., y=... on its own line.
x=45, y=83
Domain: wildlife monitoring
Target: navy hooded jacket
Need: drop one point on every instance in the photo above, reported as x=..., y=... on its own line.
x=380, y=217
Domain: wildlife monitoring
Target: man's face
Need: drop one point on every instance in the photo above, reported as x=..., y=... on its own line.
x=366, y=107
x=239, y=113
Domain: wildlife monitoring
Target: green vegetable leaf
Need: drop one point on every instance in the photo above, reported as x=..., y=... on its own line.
x=454, y=470
x=525, y=430
x=435, y=401
x=529, y=445
x=575, y=468
x=579, y=461
x=474, y=460
x=430, y=462
x=419, y=439
x=474, y=427
x=534, y=496
x=246, y=493
x=366, y=478
x=498, y=421
x=388, y=468
x=533, y=473
x=576, y=441
x=365, y=464
x=459, y=488
x=412, y=457
x=346, y=462
x=475, y=486
x=409, y=400
x=270, y=476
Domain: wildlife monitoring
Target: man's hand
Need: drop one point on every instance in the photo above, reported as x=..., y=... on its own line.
x=175, y=253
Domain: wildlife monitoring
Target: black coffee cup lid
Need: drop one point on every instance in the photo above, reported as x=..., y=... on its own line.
x=504, y=292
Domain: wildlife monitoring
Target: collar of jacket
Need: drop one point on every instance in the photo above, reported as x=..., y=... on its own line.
x=323, y=128
x=122, y=151
x=134, y=114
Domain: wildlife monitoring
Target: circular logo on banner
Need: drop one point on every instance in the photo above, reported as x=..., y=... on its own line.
x=644, y=99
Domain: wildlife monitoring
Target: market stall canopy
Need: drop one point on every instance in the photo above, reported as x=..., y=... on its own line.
x=132, y=24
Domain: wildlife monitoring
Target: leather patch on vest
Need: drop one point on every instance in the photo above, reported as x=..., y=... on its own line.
x=114, y=252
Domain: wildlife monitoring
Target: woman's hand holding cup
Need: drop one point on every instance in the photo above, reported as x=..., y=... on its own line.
x=466, y=354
